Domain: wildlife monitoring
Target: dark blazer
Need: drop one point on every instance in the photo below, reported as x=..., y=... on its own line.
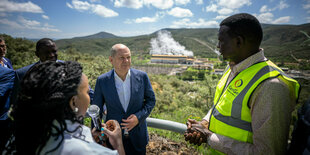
x=7, y=62
x=142, y=101
x=20, y=73
x=6, y=85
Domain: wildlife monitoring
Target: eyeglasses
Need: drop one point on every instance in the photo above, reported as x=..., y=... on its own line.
x=2, y=46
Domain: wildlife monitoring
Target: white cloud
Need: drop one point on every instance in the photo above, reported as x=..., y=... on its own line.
x=182, y=2
x=160, y=4
x=225, y=7
x=94, y=8
x=47, y=25
x=234, y=4
x=135, y=4
x=146, y=20
x=45, y=17
x=180, y=12
x=25, y=24
x=187, y=23
x=268, y=18
x=265, y=17
x=9, y=6
x=11, y=24
x=95, y=1
x=225, y=11
x=28, y=23
x=220, y=17
x=211, y=8
x=103, y=11
x=199, y=2
x=306, y=6
x=80, y=5
x=282, y=20
x=282, y=5
x=264, y=8
x=157, y=16
x=142, y=31
x=69, y=5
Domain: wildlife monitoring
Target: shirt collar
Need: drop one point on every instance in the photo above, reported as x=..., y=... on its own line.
x=255, y=58
x=118, y=78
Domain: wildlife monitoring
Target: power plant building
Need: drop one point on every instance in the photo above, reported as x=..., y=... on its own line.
x=172, y=59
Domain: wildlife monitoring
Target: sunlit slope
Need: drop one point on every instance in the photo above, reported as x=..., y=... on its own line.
x=280, y=42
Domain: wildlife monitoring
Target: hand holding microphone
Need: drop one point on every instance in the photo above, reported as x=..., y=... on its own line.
x=93, y=112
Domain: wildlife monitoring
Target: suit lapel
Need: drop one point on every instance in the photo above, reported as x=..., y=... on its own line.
x=114, y=94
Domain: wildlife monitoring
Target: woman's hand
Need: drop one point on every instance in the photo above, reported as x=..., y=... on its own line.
x=96, y=135
x=113, y=131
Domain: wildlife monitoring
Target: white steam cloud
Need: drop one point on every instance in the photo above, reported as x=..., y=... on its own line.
x=164, y=44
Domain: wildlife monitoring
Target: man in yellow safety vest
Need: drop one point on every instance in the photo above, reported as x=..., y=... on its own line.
x=253, y=99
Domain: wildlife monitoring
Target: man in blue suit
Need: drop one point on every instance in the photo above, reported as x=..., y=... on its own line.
x=129, y=99
x=4, y=62
x=6, y=85
x=45, y=50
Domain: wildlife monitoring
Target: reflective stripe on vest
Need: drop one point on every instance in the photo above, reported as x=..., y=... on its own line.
x=239, y=116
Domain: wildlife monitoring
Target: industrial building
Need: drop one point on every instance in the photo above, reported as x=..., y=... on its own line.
x=172, y=59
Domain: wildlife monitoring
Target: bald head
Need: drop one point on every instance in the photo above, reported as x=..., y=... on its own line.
x=120, y=59
x=118, y=47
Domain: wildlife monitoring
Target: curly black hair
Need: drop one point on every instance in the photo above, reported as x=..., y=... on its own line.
x=246, y=26
x=45, y=94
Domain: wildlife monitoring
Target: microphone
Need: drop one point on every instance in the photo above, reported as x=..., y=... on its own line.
x=93, y=112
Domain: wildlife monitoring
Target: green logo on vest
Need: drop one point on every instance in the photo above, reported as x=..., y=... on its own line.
x=238, y=83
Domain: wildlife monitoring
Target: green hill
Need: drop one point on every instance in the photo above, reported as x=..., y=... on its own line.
x=279, y=42
x=98, y=35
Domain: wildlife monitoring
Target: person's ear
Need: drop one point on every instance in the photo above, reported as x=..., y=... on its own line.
x=110, y=59
x=72, y=102
x=239, y=41
x=37, y=53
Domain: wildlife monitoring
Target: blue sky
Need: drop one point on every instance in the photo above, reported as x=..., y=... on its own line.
x=71, y=18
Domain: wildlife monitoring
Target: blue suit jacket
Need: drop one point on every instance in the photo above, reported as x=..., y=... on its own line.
x=7, y=62
x=142, y=101
x=6, y=85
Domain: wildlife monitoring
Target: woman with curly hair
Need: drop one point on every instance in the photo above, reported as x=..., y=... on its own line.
x=54, y=95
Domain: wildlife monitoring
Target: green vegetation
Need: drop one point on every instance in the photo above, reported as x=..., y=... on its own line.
x=177, y=100
x=189, y=95
x=280, y=42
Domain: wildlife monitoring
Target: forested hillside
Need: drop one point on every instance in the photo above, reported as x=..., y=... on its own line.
x=279, y=42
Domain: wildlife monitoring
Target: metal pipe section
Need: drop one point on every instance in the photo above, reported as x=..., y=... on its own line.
x=166, y=125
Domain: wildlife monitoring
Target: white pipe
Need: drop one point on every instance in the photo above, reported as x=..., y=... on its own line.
x=166, y=125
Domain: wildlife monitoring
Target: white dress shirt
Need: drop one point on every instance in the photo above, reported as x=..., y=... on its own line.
x=123, y=89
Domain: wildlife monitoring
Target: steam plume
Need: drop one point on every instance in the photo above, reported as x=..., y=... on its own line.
x=164, y=44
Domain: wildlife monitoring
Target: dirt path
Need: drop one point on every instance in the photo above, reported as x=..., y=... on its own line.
x=162, y=146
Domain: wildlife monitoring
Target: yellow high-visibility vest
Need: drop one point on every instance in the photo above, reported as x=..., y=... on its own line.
x=231, y=115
